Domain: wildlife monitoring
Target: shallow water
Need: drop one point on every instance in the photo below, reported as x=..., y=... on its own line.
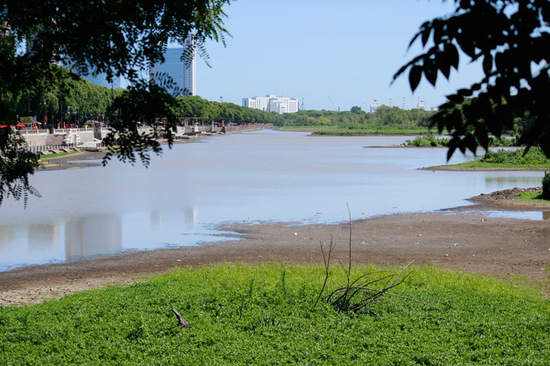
x=251, y=177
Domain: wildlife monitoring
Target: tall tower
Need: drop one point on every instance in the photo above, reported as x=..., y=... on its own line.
x=189, y=72
x=374, y=106
x=179, y=65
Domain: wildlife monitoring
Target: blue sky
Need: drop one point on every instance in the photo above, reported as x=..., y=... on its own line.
x=333, y=54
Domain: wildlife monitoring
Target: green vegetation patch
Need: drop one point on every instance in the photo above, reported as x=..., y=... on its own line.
x=431, y=141
x=369, y=131
x=534, y=159
x=266, y=315
x=57, y=155
x=530, y=196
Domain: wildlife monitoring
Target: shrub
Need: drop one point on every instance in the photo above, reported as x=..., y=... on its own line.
x=546, y=187
x=515, y=157
x=427, y=141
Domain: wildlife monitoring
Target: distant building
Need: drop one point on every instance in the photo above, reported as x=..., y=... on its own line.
x=272, y=103
x=421, y=104
x=374, y=106
x=181, y=71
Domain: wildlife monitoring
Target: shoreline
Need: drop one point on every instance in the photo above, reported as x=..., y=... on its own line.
x=454, y=168
x=459, y=238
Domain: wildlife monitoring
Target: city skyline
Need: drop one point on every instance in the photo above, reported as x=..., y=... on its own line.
x=332, y=55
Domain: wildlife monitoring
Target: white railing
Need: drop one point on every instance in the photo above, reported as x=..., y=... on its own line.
x=66, y=130
x=34, y=132
x=50, y=147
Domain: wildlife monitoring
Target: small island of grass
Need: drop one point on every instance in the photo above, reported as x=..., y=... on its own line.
x=533, y=159
x=430, y=140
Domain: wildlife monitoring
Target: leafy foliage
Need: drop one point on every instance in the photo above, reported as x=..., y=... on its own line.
x=521, y=159
x=264, y=315
x=16, y=164
x=195, y=106
x=118, y=38
x=533, y=156
x=510, y=39
x=140, y=102
x=383, y=117
x=431, y=141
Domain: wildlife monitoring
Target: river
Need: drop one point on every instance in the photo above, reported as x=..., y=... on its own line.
x=249, y=177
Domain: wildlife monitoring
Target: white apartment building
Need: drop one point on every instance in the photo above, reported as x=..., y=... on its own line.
x=272, y=103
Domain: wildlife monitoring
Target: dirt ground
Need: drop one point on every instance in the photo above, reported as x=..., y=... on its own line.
x=459, y=239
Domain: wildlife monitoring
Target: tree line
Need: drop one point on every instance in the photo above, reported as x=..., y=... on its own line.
x=382, y=117
x=76, y=100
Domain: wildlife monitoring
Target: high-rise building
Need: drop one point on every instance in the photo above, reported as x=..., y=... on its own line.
x=272, y=103
x=181, y=71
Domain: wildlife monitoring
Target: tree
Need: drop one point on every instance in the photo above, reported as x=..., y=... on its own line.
x=510, y=39
x=355, y=109
x=119, y=38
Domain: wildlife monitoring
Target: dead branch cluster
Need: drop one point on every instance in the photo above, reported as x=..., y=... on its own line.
x=365, y=289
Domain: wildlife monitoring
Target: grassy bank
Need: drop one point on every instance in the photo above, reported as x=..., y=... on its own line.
x=506, y=159
x=371, y=131
x=58, y=155
x=266, y=315
x=535, y=197
x=430, y=140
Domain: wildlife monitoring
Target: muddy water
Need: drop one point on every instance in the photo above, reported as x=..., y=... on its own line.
x=251, y=177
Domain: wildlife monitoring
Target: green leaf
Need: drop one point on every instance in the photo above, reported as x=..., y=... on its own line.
x=431, y=75
x=427, y=30
x=414, y=77
x=487, y=64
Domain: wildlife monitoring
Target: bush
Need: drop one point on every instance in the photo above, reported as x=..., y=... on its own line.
x=546, y=187
x=515, y=157
x=427, y=141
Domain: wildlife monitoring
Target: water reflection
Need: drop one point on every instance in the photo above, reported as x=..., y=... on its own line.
x=43, y=236
x=526, y=215
x=88, y=236
x=261, y=176
x=514, y=179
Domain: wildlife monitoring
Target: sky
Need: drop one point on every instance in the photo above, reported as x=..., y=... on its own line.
x=329, y=54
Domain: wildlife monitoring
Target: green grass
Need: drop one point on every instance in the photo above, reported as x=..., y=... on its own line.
x=430, y=140
x=264, y=315
x=531, y=197
x=534, y=159
x=49, y=156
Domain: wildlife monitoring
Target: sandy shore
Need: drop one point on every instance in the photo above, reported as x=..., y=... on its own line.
x=455, y=239
x=459, y=239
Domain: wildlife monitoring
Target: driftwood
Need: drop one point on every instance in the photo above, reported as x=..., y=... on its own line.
x=181, y=319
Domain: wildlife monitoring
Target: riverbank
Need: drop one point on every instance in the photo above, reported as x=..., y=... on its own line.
x=459, y=239
x=455, y=168
x=81, y=159
x=88, y=158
